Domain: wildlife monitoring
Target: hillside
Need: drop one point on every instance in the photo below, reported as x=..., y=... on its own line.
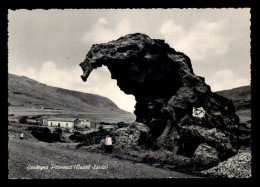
x=241, y=98
x=26, y=92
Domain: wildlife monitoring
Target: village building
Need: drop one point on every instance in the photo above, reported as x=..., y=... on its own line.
x=85, y=123
x=43, y=121
x=66, y=122
x=62, y=122
x=32, y=121
x=89, y=124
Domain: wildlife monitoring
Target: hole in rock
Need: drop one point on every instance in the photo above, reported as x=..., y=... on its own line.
x=188, y=146
x=100, y=82
x=157, y=127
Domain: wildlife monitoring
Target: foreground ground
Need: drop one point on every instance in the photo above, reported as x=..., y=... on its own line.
x=32, y=152
x=26, y=153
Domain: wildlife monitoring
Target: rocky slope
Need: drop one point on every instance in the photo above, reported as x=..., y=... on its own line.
x=238, y=166
x=169, y=96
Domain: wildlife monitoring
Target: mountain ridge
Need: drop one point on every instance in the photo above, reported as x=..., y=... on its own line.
x=241, y=98
x=24, y=91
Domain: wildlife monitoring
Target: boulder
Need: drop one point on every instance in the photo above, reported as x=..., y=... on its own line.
x=89, y=138
x=136, y=134
x=217, y=139
x=205, y=156
x=167, y=93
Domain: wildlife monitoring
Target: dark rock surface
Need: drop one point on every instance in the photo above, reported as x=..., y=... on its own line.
x=89, y=138
x=205, y=156
x=136, y=134
x=238, y=166
x=166, y=92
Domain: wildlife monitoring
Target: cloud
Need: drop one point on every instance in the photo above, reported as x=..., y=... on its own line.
x=48, y=73
x=105, y=86
x=103, y=21
x=226, y=79
x=101, y=32
x=201, y=41
x=99, y=81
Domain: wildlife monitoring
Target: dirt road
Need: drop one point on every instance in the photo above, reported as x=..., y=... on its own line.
x=31, y=159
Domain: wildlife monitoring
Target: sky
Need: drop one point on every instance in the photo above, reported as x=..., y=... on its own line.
x=49, y=45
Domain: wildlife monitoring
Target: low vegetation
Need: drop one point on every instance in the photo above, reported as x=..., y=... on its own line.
x=23, y=119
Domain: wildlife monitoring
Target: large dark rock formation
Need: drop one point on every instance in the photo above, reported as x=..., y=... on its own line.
x=166, y=91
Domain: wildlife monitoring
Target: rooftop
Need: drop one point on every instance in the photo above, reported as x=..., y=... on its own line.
x=63, y=119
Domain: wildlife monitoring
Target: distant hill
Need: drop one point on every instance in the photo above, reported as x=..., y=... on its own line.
x=241, y=98
x=26, y=92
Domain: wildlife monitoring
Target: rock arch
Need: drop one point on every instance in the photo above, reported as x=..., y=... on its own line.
x=166, y=91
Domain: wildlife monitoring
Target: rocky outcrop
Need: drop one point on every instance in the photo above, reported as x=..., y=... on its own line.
x=169, y=96
x=136, y=134
x=89, y=138
x=238, y=166
x=205, y=156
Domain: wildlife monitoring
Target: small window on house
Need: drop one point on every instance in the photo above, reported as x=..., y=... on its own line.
x=51, y=123
x=66, y=124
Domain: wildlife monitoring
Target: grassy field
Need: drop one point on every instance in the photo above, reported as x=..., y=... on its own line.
x=30, y=152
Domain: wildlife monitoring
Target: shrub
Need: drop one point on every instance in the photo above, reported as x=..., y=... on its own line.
x=67, y=130
x=79, y=128
x=77, y=137
x=31, y=128
x=57, y=130
x=122, y=124
x=23, y=119
x=44, y=134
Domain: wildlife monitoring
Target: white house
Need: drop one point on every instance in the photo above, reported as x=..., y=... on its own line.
x=85, y=123
x=62, y=122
